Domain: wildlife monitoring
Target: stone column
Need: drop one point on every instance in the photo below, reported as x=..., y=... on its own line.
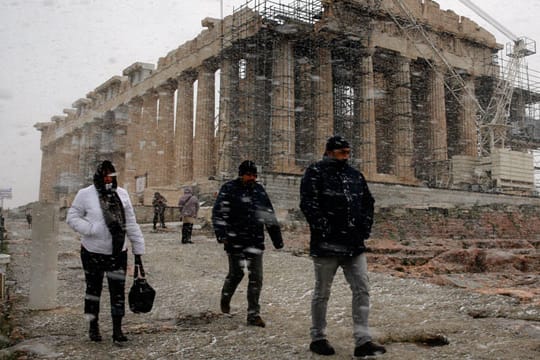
x=149, y=137
x=282, y=144
x=323, y=89
x=365, y=151
x=203, y=145
x=165, y=151
x=43, y=282
x=46, y=181
x=183, y=136
x=403, y=129
x=225, y=135
x=467, y=134
x=246, y=119
x=305, y=114
x=133, y=140
x=437, y=142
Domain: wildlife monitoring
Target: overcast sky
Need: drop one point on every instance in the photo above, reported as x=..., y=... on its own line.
x=54, y=52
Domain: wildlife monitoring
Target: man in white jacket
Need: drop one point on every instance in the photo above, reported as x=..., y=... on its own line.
x=102, y=213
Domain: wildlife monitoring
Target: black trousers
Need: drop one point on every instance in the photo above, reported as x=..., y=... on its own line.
x=159, y=216
x=95, y=266
x=187, y=229
x=254, y=264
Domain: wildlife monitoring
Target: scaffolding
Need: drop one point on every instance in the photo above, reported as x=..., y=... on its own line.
x=257, y=28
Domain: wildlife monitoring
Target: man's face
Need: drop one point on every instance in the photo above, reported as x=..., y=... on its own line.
x=249, y=178
x=340, y=154
x=108, y=177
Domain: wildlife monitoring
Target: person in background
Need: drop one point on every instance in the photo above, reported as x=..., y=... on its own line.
x=189, y=208
x=29, y=218
x=241, y=212
x=338, y=206
x=102, y=213
x=160, y=204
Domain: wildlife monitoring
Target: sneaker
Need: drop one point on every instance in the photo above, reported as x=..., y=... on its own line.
x=322, y=347
x=369, y=349
x=256, y=321
x=225, y=306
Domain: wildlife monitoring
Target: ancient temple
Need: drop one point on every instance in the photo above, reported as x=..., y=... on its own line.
x=403, y=80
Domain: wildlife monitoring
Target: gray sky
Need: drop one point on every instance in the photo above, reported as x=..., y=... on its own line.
x=56, y=51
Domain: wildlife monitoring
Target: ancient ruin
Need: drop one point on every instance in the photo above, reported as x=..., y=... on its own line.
x=405, y=81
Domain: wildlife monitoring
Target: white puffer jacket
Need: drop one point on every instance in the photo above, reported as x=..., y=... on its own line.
x=86, y=218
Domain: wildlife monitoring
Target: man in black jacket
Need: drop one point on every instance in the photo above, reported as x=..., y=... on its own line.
x=338, y=206
x=241, y=211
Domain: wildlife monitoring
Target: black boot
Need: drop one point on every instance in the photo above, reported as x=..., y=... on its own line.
x=118, y=335
x=93, y=331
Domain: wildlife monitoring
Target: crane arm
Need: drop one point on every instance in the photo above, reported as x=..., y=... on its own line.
x=484, y=15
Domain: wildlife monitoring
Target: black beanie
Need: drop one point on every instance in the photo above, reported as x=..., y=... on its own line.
x=336, y=142
x=247, y=167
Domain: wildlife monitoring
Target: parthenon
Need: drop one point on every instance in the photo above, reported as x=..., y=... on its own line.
x=271, y=82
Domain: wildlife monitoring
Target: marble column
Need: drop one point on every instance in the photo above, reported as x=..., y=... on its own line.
x=437, y=142
x=246, y=111
x=305, y=114
x=225, y=146
x=467, y=134
x=133, y=140
x=165, y=131
x=323, y=89
x=365, y=151
x=46, y=192
x=183, y=135
x=149, y=137
x=403, y=125
x=282, y=145
x=203, y=144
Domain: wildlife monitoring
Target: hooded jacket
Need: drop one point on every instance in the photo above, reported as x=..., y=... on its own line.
x=240, y=214
x=188, y=204
x=338, y=206
x=87, y=217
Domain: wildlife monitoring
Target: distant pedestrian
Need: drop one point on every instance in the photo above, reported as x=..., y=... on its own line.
x=102, y=213
x=241, y=212
x=29, y=218
x=160, y=204
x=189, y=208
x=338, y=206
x=2, y=224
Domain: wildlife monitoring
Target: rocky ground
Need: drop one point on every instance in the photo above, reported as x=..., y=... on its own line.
x=429, y=306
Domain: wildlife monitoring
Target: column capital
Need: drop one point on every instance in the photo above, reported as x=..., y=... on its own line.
x=167, y=88
x=135, y=101
x=187, y=76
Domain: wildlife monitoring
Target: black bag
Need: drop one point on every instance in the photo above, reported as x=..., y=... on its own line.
x=141, y=295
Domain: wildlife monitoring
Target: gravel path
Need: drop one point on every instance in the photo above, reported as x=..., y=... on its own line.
x=415, y=320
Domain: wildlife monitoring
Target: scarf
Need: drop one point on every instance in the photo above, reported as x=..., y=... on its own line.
x=111, y=206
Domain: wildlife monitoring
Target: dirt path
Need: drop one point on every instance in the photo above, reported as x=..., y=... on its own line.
x=414, y=319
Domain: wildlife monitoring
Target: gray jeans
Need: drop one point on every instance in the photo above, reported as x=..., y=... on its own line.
x=355, y=271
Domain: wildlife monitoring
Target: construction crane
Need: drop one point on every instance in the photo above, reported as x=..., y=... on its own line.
x=493, y=119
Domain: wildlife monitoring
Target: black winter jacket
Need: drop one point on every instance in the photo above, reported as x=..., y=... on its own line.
x=240, y=214
x=338, y=206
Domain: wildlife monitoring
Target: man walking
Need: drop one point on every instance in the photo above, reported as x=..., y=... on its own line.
x=241, y=211
x=338, y=206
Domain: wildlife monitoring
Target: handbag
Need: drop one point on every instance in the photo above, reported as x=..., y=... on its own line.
x=141, y=295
